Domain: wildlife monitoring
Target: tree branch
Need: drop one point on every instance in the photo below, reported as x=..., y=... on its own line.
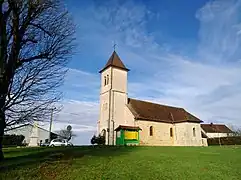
x=24, y=41
x=7, y=13
x=40, y=56
x=41, y=28
x=39, y=43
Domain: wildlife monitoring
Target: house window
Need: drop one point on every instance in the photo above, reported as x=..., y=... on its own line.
x=171, y=132
x=151, y=131
x=193, y=132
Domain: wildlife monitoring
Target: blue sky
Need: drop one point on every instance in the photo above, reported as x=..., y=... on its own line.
x=180, y=53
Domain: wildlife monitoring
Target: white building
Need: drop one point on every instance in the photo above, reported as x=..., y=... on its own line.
x=33, y=134
x=216, y=130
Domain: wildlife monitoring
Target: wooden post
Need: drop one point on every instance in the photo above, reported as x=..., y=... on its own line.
x=50, y=125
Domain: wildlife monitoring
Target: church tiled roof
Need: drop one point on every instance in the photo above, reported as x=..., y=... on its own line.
x=215, y=128
x=143, y=110
x=114, y=61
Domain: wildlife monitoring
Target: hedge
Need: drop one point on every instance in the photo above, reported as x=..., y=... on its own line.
x=99, y=140
x=233, y=140
x=12, y=140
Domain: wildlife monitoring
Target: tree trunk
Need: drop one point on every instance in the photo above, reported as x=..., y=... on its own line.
x=2, y=124
x=1, y=139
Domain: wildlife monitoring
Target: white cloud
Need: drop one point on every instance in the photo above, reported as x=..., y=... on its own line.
x=81, y=115
x=81, y=85
x=219, y=31
x=207, y=86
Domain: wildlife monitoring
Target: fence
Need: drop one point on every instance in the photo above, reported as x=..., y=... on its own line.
x=233, y=140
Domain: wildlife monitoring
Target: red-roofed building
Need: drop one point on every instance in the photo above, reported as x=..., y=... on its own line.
x=155, y=124
x=216, y=130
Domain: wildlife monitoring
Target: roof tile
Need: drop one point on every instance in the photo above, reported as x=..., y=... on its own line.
x=216, y=128
x=143, y=110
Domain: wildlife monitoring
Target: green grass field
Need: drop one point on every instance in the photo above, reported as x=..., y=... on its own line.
x=122, y=163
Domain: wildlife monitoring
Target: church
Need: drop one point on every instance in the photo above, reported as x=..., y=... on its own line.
x=127, y=121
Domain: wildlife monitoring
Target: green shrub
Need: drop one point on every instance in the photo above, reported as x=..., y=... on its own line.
x=233, y=140
x=12, y=140
x=99, y=140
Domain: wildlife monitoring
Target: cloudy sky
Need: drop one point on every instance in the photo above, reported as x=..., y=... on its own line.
x=180, y=53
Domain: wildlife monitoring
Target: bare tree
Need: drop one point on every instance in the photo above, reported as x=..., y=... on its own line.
x=36, y=41
x=236, y=130
x=67, y=133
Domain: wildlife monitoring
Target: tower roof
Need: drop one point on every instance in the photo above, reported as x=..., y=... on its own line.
x=114, y=61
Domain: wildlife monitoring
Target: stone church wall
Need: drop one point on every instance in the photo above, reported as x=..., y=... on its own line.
x=119, y=80
x=104, y=102
x=182, y=134
x=113, y=99
x=104, y=109
x=119, y=103
x=129, y=117
x=188, y=134
x=105, y=88
x=118, y=115
x=161, y=133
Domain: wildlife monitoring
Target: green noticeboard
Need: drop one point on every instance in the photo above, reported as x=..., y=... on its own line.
x=127, y=135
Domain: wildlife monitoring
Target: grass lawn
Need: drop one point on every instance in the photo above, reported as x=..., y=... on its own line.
x=122, y=163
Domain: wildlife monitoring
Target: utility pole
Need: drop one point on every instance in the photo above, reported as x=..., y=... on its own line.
x=50, y=125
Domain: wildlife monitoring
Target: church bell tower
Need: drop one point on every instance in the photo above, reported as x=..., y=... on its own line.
x=113, y=97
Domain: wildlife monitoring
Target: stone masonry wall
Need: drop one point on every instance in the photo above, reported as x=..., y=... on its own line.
x=182, y=134
x=161, y=133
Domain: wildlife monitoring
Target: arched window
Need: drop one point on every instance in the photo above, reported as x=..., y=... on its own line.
x=171, y=132
x=107, y=81
x=103, y=133
x=193, y=132
x=151, y=130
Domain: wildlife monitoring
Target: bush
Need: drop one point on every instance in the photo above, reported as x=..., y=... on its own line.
x=233, y=140
x=93, y=140
x=99, y=140
x=13, y=140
